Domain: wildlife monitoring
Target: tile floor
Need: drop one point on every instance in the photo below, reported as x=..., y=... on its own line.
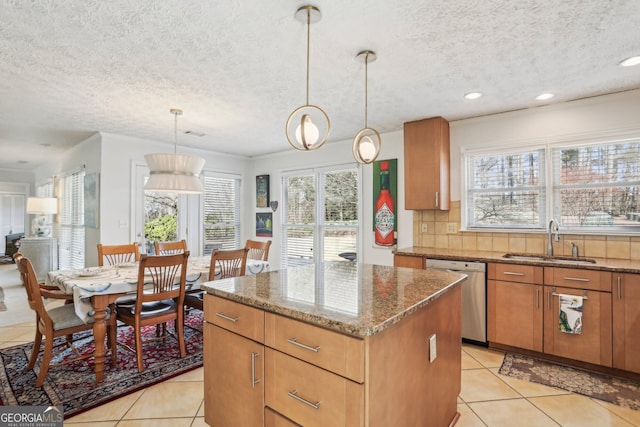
x=487, y=398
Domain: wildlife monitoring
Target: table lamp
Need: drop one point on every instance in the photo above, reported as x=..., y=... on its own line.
x=41, y=207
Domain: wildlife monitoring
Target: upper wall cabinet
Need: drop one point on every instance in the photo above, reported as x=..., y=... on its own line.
x=426, y=164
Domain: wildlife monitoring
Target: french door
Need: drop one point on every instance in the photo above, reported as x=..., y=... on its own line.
x=320, y=214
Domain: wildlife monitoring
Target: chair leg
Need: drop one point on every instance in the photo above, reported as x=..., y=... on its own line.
x=37, y=341
x=139, y=349
x=46, y=359
x=179, y=323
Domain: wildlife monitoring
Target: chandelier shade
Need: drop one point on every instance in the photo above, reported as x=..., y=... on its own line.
x=174, y=173
x=308, y=126
x=367, y=142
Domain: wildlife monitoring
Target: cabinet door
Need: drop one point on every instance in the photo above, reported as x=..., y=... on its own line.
x=233, y=379
x=408, y=261
x=514, y=313
x=626, y=321
x=593, y=344
x=426, y=164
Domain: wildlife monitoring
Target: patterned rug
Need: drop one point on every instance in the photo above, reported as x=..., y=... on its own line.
x=73, y=385
x=599, y=386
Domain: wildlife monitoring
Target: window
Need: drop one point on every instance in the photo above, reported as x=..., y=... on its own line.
x=221, y=212
x=71, y=221
x=586, y=187
x=506, y=190
x=320, y=215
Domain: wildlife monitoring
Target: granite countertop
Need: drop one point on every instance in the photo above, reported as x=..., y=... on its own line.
x=602, y=264
x=349, y=297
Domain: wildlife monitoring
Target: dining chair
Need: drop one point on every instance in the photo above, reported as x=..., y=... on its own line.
x=48, y=291
x=159, y=299
x=56, y=322
x=258, y=249
x=170, y=248
x=118, y=254
x=224, y=264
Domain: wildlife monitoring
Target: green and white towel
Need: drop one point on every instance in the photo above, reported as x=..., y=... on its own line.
x=570, y=319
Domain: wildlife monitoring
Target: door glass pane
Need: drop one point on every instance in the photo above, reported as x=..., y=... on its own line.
x=300, y=220
x=340, y=213
x=160, y=219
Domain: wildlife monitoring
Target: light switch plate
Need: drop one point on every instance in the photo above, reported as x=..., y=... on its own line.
x=432, y=348
x=425, y=227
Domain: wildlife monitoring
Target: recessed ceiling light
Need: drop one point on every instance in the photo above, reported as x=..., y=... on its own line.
x=544, y=96
x=473, y=95
x=630, y=62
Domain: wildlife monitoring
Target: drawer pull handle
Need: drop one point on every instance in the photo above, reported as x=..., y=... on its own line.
x=254, y=381
x=232, y=319
x=576, y=279
x=294, y=341
x=584, y=293
x=294, y=394
x=511, y=273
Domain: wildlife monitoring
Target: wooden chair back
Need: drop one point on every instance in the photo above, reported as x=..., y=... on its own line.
x=258, y=250
x=161, y=278
x=118, y=254
x=170, y=248
x=34, y=296
x=229, y=263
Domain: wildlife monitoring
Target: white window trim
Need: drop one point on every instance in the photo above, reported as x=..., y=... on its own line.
x=607, y=137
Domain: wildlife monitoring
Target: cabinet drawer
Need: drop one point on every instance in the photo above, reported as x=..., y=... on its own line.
x=578, y=279
x=515, y=273
x=235, y=317
x=330, y=350
x=311, y=396
x=274, y=419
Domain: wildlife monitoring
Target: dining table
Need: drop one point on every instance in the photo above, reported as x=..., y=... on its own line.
x=95, y=288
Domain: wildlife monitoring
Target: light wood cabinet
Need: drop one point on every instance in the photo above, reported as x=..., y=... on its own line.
x=233, y=335
x=514, y=305
x=320, y=377
x=426, y=164
x=626, y=321
x=408, y=261
x=594, y=343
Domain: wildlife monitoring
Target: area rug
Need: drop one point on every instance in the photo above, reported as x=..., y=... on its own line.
x=73, y=385
x=614, y=390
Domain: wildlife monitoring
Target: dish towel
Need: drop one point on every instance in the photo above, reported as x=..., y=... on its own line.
x=570, y=319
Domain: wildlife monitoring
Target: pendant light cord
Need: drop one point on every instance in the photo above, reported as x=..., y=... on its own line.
x=366, y=89
x=308, y=47
x=175, y=133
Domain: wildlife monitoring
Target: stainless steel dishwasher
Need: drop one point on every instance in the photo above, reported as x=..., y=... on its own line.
x=474, y=297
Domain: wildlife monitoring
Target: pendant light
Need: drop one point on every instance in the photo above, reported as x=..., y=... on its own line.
x=308, y=126
x=174, y=173
x=367, y=142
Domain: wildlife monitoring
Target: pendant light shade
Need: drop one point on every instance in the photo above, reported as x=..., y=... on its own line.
x=367, y=142
x=174, y=173
x=308, y=126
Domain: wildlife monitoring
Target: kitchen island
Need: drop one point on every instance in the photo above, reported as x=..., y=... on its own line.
x=334, y=344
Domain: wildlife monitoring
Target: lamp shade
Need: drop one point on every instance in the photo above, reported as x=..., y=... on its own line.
x=174, y=173
x=42, y=205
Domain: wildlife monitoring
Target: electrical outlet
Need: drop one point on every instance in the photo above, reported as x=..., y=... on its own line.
x=432, y=348
x=123, y=223
x=425, y=227
x=452, y=228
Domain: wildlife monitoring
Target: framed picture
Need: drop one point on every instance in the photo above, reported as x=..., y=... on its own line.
x=264, y=224
x=91, y=200
x=262, y=191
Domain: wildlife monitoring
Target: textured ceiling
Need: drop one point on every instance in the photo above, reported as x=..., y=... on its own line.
x=237, y=67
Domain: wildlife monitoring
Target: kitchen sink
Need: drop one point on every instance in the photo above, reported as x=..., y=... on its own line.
x=547, y=258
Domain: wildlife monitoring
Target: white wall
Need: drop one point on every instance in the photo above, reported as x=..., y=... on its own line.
x=333, y=153
x=604, y=117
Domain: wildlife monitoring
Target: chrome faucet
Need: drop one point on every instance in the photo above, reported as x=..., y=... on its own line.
x=553, y=228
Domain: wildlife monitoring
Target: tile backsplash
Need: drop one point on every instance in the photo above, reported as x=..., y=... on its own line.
x=442, y=231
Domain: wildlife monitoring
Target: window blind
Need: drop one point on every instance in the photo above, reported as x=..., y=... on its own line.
x=71, y=233
x=221, y=212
